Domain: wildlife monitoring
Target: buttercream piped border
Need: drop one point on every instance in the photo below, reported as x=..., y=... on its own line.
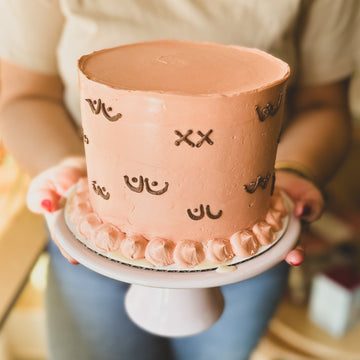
x=162, y=254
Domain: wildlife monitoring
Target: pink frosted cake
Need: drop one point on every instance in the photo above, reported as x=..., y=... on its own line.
x=180, y=142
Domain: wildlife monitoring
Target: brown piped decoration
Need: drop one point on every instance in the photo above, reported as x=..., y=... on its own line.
x=139, y=188
x=101, y=191
x=269, y=109
x=210, y=215
x=196, y=217
x=155, y=183
x=98, y=106
x=272, y=184
x=184, y=138
x=86, y=139
x=260, y=181
x=204, y=138
x=202, y=213
x=141, y=182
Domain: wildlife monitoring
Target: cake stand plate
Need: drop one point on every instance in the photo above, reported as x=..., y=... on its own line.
x=174, y=303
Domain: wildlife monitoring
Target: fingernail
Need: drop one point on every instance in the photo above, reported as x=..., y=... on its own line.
x=303, y=211
x=46, y=204
x=295, y=263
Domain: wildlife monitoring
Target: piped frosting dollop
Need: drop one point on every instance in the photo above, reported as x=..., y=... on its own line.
x=189, y=253
x=264, y=233
x=107, y=237
x=88, y=224
x=160, y=252
x=219, y=250
x=133, y=247
x=244, y=243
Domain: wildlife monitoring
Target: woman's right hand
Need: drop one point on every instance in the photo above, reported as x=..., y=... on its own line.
x=47, y=188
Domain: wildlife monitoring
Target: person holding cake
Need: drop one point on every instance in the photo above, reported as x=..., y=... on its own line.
x=40, y=45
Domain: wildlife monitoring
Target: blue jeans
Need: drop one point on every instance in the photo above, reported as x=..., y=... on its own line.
x=87, y=318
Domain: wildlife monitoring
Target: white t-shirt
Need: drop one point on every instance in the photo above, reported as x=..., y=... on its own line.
x=49, y=36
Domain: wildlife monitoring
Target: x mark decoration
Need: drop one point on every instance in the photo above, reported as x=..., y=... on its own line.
x=184, y=138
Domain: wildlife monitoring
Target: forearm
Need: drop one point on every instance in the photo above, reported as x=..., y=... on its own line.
x=38, y=132
x=318, y=139
x=318, y=135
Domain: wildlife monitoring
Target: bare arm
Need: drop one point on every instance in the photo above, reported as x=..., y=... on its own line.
x=35, y=126
x=317, y=138
x=39, y=133
x=319, y=132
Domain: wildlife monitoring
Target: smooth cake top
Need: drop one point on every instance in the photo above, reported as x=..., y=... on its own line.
x=186, y=68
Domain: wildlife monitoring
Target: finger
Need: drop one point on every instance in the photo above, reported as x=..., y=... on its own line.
x=42, y=200
x=309, y=211
x=295, y=257
x=46, y=189
x=68, y=257
x=51, y=221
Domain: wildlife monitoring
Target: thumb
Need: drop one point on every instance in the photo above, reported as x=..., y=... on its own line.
x=42, y=200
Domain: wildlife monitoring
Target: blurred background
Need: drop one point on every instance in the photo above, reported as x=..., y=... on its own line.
x=319, y=317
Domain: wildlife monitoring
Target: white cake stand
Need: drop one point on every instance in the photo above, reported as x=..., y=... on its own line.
x=174, y=303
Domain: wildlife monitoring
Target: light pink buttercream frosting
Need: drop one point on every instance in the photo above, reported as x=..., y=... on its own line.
x=219, y=250
x=81, y=198
x=160, y=252
x=133, y=246
x=82, y=186
x=264, y=233
x=167, y=66
x=182, y=144
x=107, y=237
x=274, y=218
x=88, y=224
x=277, y=203
x=79, y=211
x=244, y=243
x=184, y=135
x=189, y=253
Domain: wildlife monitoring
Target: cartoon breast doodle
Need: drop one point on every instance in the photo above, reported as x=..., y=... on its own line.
x=85, y=139
x=185, y=138
x=98, y=106
x=140, y=187
x=155, y=183
x=260, y=181
x=83, y=136
x=210, y=215
x=101, y=191
x=269, y=109
x=194, y=216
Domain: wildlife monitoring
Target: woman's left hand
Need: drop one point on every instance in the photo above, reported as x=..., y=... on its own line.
x=308, y=205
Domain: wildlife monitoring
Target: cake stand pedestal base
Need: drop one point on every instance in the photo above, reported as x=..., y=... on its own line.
x=174, y=312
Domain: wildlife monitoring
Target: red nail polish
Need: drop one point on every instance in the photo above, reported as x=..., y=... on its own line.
x=46, y=204
x=294, y=263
